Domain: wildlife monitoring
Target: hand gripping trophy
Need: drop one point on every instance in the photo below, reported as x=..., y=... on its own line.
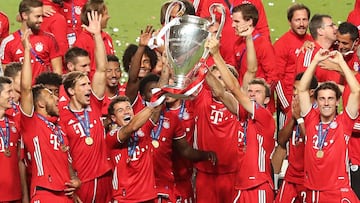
x=185, y=37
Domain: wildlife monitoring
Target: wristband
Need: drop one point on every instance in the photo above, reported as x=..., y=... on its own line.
x=300, y=121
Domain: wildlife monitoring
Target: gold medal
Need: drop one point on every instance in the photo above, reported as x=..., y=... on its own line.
x=89, y=141
x=64, y=148
x=155, y=143
x=320, y=154
x=7, y=152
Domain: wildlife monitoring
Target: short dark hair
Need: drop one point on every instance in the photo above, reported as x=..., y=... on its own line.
x=296, y=7
x=113, y=58
x=261, y=81
x=49, y=78
x=26, y=5
x=328, y=85
x=115, y=101
x=313, y=84
x=248, y=12
x=349, y=28
x=72, y=54
x=70, y=80
x=36, y=91
x=12, y=69
x=92, y=5
x=4, y=80
x=316, y=22
x=150, y=77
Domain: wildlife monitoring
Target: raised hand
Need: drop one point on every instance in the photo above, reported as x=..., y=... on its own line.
x=25, y=39
x=213, y=45
x=146, y=35
x=94, y=26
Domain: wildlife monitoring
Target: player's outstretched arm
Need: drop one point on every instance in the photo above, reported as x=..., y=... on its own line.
x=26, y=101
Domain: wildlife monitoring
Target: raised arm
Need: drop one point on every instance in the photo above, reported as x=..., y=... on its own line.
x=99, y=80
x=304, y=85
x=133, y=83
x=139, y=120
x=220, y=93
x=353, y=103
x=26, y=101
x=229, y=79
x=252, y=64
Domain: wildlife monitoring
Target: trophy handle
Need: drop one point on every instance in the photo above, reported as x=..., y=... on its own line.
x=213, y=20
x=171, y=6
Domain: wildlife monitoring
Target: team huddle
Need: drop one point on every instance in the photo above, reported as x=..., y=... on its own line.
x=71, y=132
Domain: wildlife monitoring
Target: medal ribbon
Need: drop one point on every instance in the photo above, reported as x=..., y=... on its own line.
x=182, y=109
x=156, y=135
x=54, y=128
x=34, y=53
x=132, y=144
x=85, y=124
x=6, y=137
x=322, y=135
x=13, y=105
x=245, y=131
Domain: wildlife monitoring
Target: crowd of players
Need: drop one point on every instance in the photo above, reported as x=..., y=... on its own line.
x=71, y=132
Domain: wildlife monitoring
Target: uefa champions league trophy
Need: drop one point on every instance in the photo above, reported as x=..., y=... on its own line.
x=184, y=44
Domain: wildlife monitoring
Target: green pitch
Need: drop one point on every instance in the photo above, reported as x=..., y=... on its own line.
x=128, y=17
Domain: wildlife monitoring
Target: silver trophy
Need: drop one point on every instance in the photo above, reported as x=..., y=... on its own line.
x=184, y=43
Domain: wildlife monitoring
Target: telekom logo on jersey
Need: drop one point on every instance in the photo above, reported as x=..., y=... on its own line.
x=216, y=116
x=54, y=141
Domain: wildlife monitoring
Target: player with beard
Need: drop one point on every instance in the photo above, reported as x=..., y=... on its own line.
x=286, y=53
x=45, y=55
x=81, y=120
x=53, y=179
x=113, y=86
x=328, y=133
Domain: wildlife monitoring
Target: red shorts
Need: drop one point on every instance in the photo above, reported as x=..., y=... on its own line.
x=345, y=195
x=215, y=188
x=43, y=196
x=291, y=192
x=96, y=190
x=184, y=192
x=261, y=194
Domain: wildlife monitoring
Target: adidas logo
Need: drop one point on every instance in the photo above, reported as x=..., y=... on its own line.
x=18, y=51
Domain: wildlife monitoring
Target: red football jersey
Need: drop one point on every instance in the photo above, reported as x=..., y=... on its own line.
x=138, y=104
x=107, y=100
x=133, y=179
x=228, y=36
x=321, y=74
x=44, y=48
x=354, y=150
x=285, y=59
x=216, y=129
x=169, y=128
x=295, y=170
x=50, y=165
x=55, y=25
x=90, y=161
x=255, y=164
x=86, y=41
x=183, y=168
x=354, y=15
x=4, y=25
x=318, y=175
x=10, y=186
x=72, y=11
